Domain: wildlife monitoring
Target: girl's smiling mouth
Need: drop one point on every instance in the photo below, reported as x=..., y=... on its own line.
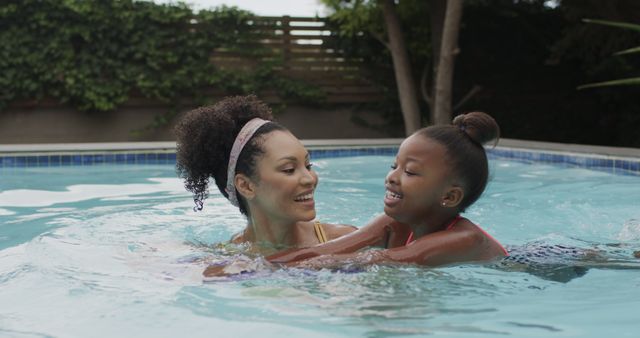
x=391, y=197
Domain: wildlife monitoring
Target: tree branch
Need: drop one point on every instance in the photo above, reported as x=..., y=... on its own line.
x=380, y=38
x=475, y=90
x=424, y=88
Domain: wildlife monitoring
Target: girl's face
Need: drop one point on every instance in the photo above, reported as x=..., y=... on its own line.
x=418, y=181
x=286, y=183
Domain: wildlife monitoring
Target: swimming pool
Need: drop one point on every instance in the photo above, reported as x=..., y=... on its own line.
x=116, y=250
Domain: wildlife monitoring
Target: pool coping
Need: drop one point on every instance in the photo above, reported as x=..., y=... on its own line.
x=612, y=159
x=570, y=148
x=33, y=149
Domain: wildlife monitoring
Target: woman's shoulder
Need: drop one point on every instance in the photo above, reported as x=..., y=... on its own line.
x=334, y=231
x=380, y=226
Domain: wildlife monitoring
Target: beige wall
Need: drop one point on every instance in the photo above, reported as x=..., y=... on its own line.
x=56, y=124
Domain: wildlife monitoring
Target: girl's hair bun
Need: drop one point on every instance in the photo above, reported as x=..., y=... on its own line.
x=479, y=127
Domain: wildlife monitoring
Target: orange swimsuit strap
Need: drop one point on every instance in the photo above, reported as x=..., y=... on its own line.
x=322, y=236
x=448, y=227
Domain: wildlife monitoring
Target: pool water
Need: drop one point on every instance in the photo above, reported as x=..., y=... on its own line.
x=117, y=251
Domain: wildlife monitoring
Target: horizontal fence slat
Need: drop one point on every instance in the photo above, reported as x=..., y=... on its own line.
x=291, y=18
x=317, y=53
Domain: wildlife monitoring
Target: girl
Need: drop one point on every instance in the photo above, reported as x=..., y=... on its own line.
x=259, y=166
x=438, y=172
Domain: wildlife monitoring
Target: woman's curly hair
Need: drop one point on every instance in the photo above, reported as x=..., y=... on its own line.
x=205, y=136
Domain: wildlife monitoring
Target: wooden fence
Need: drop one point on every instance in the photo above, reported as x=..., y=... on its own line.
x=304, y=49
x=298, y=48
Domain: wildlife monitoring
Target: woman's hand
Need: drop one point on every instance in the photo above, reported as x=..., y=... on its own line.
x=215, y=271
x=238, y=266
x=342, y=261
x=292, y=255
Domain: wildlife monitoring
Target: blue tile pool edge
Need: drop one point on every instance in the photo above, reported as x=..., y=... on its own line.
x=613, y=164
x=86, y=158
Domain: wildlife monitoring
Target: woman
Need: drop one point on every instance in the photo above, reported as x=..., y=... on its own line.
x=259, y=166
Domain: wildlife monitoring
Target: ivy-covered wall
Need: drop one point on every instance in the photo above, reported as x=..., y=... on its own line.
x=94, y=55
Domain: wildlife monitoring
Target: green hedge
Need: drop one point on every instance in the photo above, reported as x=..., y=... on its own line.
x=96, y=54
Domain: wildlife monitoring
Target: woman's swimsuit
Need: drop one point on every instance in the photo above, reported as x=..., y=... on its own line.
x=450, y=226
x=322, y=236
x=241, y=266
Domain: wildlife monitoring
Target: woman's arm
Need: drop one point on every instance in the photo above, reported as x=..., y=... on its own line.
x=374, y=233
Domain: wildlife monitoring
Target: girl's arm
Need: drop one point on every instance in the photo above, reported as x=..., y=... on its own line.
x=378, y=232
x=462, y=244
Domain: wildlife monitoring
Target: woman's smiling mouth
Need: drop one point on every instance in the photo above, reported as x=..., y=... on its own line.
x=304, y=198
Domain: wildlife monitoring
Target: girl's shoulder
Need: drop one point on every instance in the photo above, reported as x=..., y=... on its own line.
x=490, y=246
x=462, y=224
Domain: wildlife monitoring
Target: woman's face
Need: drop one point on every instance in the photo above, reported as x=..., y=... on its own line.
x=418, y=180
x=286, y=182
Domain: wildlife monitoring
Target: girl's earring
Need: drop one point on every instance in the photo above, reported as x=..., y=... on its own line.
x=443, y=204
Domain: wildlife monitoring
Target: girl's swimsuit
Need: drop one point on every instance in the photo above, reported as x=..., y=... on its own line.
x=450, y=226
x=538, y=253
x=554, y=262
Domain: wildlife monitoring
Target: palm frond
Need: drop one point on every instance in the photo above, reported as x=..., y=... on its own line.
x=620, y=82
x=624, y=25
x=629, y=51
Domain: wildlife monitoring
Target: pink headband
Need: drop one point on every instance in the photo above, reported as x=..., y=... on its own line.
x=243, y=137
